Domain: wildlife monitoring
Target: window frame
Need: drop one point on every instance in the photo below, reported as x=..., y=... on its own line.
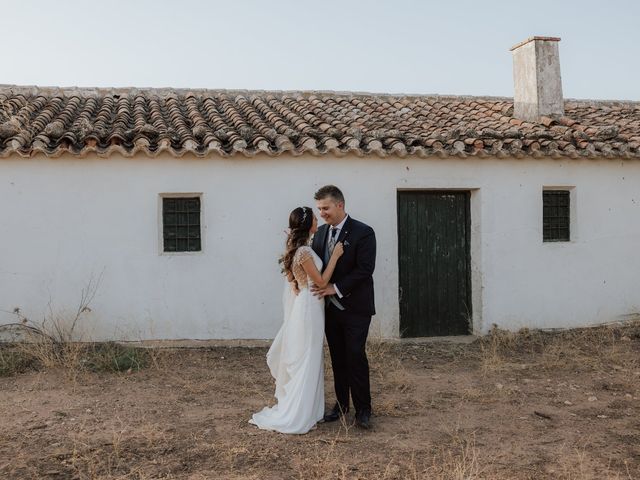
x=161, y=198
x=572, y=214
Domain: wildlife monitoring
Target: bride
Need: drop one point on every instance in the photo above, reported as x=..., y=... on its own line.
x=296, y=357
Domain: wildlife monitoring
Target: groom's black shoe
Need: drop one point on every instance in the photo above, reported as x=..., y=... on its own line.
x=335, y=413
x=363, y=419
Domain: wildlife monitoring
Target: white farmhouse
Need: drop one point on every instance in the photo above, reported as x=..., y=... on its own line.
x=519, y=212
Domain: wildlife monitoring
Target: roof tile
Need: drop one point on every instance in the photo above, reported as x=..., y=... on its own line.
x=79, y=121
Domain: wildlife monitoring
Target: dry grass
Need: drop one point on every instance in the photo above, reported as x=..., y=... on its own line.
x=14, y=361
x=56, y=342
x=72, y=358
x=597, y=348
x=579, y=464
x=458, y=462
x=494, y=409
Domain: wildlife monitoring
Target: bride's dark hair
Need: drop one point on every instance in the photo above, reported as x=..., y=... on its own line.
x=300, y=222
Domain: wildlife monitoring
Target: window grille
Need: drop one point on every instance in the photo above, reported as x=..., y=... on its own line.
x=181, y=224
x=555, y=215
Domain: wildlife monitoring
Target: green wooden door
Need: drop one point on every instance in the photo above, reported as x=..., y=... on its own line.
x=435, y=271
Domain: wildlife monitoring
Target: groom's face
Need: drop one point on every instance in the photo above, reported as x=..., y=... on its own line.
x=331, y=212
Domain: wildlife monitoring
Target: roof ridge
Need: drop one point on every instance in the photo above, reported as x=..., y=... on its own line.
x=601, y=102
x=84, y=91
x=163, y=91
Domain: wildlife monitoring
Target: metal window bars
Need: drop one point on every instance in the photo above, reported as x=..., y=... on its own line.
x=181, y=224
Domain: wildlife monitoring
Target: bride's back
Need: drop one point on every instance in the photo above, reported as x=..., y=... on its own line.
x=302, y=254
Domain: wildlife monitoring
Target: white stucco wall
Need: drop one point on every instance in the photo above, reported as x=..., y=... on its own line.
x=65, y=220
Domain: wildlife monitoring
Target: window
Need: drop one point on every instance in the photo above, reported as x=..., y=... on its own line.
x=181, y=224
x=555, y=215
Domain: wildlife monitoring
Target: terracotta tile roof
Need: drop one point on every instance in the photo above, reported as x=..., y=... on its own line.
x=54, y=121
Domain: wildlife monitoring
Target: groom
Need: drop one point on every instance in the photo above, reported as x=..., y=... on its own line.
x=349, y=302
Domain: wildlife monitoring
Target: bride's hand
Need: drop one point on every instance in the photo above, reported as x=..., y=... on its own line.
x=338, y=250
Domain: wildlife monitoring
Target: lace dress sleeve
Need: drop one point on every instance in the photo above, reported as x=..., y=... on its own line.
x=303, y=254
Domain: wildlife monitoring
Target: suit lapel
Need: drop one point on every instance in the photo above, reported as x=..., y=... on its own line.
x=321, y=246
x=325, y=232
x=345, y=230
x=317, y=240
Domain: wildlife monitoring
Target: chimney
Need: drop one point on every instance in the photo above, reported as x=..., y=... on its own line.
x=536, y=78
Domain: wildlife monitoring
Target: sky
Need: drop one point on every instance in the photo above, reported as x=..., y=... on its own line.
x=448, y=47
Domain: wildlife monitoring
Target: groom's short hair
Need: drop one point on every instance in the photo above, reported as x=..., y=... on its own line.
x=329, y=191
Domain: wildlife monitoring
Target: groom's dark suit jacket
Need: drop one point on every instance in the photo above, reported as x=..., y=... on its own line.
x=354, y=270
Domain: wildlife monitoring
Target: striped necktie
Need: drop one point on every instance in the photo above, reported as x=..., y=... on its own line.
x=330, y=246
x=332, y=240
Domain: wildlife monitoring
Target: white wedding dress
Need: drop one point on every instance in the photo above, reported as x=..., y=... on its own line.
x=296, y=357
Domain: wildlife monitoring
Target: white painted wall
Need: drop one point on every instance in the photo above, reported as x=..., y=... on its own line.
x=65, y=220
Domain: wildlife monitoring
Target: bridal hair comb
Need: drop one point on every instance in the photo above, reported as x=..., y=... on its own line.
x=304, y=213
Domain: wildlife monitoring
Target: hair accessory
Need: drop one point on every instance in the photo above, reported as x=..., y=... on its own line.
x=304, y=213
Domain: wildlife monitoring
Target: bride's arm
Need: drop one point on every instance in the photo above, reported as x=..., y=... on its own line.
x=321, y=280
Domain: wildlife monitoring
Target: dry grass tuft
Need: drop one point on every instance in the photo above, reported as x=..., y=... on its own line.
x=578, y=463
x=379, y=350
x=324, y=461
x=13, y=361
x=494, y=349
x=459, y=461
x=56, y=343
x=596, y=348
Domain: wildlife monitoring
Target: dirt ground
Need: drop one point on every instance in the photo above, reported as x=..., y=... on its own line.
x=526, y=406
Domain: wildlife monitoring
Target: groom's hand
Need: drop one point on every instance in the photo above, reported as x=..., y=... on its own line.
x=323, y=292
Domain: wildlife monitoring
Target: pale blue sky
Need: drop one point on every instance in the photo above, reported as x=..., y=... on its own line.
x=456, y=47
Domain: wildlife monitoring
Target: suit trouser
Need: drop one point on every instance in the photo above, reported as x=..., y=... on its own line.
x=347, y=337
